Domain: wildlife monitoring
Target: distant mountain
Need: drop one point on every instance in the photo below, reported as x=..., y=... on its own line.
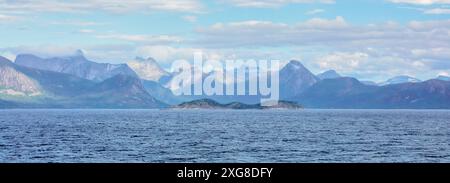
x=443, y=78
x=15, y=83
x=75, y=82
x=211, y=104
x=370, y=83
x=59, y=90
x=148, y=69
x=120, y=91
x=336, y=93
x=294, y=79
x=400, y=80
x=161, y=93
x=76, y=65
x=350, y=93
x=330, y=74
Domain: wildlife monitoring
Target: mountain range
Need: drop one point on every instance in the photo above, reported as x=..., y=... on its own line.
x=76, y=65
x=27, y=87
x=76, y=82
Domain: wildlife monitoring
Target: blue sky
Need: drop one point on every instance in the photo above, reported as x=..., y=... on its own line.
x=368, y=39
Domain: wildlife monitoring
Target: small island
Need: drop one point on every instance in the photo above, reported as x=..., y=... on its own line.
x=211, y=104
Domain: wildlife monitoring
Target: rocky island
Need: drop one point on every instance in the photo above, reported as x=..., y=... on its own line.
x=211, y=104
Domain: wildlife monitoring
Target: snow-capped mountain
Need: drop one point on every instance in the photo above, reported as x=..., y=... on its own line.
x=400, y=80
x=147, y=69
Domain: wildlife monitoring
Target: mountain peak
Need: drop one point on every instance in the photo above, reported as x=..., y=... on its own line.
x=147, y=69
x=296, y=79
x=330, y=74
x=295, y=65
x=142, y=59
x=78, y=55
x=401, y=79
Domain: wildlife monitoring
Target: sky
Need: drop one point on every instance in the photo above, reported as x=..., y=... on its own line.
x=367, y=39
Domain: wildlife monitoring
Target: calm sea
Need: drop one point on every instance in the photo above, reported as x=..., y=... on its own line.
x=224, y=136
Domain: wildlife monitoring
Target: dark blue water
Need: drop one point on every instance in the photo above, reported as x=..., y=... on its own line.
x=224, y=136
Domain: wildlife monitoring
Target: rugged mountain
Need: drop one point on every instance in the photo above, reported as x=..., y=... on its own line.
x=161, y=93
x=400, y=80
x=15, y=83
x=59, y=90
x=294, y=79
x=443, y=78
x=330, y=74
x=211, y=104
x=120, y=91
x=431, y=94
x=336, y=93
x=76, y=65
x=148, y=69
x=350, y=93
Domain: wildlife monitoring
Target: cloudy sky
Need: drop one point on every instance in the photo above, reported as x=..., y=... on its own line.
x=368, y=39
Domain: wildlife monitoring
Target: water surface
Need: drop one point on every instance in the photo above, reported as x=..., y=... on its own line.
x=224, y=136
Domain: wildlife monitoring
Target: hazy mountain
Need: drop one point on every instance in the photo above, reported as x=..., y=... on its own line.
x=65, y=84
x=161, y=93
x=443, y=78
x=60, y=90
x=76, y=65
x=330, y=74
x=294, y=79
x=350, y=93
x=400, y=80
x=15, y=83
x=120, y=91
x=370, y=83
x=336, y=93
x=148, y=69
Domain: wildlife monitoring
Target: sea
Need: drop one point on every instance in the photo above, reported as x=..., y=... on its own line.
x=218, y=136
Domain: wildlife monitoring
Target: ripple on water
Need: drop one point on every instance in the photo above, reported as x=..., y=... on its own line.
x=224, y=136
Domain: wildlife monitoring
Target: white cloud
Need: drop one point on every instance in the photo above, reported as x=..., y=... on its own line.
x=342, y=61
x=437, y=11
x=444, y=73
x=8, y=18
x=272, y=3
x=334, y=33
x=315, y=11
x=42, y=50
x=417, y=47
x=421, y=2
x=190, y=18
x=79, y=23
x=319, y=23
x=86, y=31
x=116, y=6
x=142, y=38
x=165, y=53
x=365, y=66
